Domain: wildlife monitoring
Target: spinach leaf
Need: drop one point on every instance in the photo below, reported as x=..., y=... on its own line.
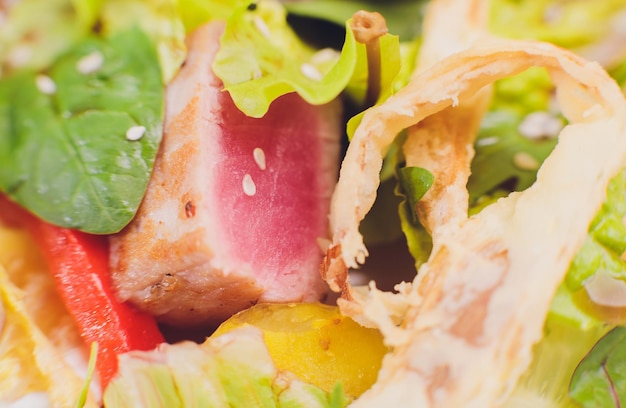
x=413, y=183
x=600, y=379
x=64, y=154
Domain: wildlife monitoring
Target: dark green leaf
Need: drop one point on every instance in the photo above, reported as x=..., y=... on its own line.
x=600, y=379
x=65, y=156
x=499, y=140
x=415, y=182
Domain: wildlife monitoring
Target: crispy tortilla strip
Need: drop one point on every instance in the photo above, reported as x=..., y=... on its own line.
x=443, y=143
x=479, y=303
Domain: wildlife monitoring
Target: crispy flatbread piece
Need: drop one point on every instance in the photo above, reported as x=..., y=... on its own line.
x=468, y=321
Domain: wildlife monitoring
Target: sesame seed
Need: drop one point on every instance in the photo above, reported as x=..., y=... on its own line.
x=487, y=141
x=90, y=63
x=525, y=161
x=540, y=124
x=259, y=157
x=249, y=188
x=45, y=84
x=309, y=71
x=260, y=25
x=324, y=55
x=135, y=132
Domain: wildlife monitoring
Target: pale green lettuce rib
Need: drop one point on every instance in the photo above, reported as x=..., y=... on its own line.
x=261, y=58
x=231, y=370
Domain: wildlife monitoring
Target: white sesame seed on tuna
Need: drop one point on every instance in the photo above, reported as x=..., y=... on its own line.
x=259, y=157
x=90, y=63
x=45, y=84
x=249, y=188
x=135, y=132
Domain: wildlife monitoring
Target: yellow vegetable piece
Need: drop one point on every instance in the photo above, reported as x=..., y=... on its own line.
x=316, y=343
x=36, y=332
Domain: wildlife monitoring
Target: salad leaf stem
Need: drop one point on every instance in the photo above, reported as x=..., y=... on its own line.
x=368, y=27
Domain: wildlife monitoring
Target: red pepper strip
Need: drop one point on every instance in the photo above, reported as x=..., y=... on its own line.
x=79, y=263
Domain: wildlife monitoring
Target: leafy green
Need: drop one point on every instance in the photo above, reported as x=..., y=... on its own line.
x=499, y=140
x=91, y=367
x=404, y=17
x=261, y=58
x=33, y=43
x=601, y=254
x=159, y=19
x=413, y=183
x=231, y=370
x=565, y=23
x=545, y=383
x=600, y=379
x=64, y=155
x=195, y=12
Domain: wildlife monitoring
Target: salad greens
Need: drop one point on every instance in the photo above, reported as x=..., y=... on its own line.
x=261, y=58
x=231, y=370
x=404, y=17
x=63, y=149
x=88, y=176
x=64, y=156
x=29, y=43
x=600, y=379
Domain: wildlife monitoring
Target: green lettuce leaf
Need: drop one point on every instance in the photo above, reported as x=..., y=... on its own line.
x=261, y=58
x=33, y=42
x=196, y=12
x=500, y=142
x=159, y=19
x=231, y=370
x=555, y=358
x=404, y=17
x=64, y=153
x=566, y=23
x=600, y=379
x=600, y=256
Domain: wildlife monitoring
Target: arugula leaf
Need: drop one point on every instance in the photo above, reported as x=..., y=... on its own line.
x=600, y=379
x=64, y=155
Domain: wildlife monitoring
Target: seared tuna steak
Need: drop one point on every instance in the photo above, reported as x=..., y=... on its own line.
x=236, y=206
